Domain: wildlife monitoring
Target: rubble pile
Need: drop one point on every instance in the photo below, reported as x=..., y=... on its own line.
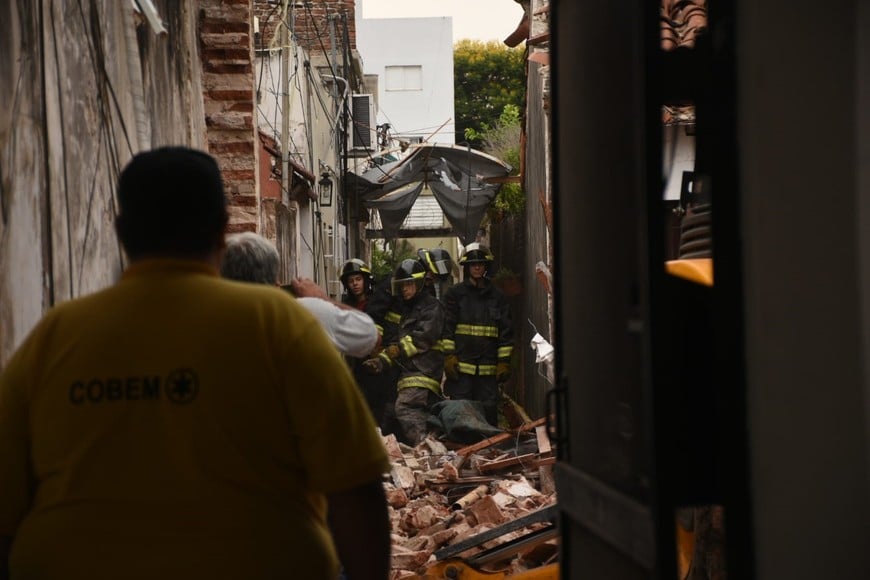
x=445, y=496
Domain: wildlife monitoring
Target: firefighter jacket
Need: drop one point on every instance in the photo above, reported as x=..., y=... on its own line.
x=477, y=327
x=420, y=361
x=384, y=310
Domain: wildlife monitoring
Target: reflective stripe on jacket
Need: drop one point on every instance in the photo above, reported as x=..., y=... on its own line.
x=477, y=327
x=420, y=362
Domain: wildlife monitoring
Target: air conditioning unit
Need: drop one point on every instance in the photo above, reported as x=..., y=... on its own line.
x=362, y=129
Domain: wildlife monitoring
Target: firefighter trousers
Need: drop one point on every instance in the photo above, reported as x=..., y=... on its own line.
x=483, y=388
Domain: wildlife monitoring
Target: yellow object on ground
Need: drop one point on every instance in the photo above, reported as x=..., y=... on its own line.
x=699, y=270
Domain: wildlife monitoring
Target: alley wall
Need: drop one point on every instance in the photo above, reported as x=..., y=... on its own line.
x=87, y=85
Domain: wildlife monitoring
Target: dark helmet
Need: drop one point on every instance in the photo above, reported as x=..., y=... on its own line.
x=436, y=261
x=476, y=254
x=356, y=266
x=409, y=269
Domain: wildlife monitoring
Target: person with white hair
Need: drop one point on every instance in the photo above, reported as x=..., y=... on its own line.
x=250, y=257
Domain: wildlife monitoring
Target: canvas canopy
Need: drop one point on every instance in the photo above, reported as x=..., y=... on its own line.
x=456, y=175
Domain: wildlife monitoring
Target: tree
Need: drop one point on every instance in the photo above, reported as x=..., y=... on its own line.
x=487, y=77
x=502, y=140
x=385, y=260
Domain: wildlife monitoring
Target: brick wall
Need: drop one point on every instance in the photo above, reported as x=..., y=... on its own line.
x=310, y=20
x=228, y=94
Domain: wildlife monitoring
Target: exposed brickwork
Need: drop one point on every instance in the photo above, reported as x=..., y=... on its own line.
x=311, y=23
x=226, y=49
x=229, y=121
x=242, y=175
x=238, y=148
x=239, y=228
x=682, y=21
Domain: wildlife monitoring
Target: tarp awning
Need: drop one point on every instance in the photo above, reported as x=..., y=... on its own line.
x=457, y=177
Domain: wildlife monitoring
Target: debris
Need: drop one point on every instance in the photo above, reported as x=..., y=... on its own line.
x=469, y=498
x=489, y=496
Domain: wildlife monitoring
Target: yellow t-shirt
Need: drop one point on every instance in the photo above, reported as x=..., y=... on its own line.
x=178, y=425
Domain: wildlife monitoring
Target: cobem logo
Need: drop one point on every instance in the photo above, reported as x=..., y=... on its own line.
x=181, y=387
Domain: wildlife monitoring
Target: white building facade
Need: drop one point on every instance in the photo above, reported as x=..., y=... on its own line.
x=413, y=60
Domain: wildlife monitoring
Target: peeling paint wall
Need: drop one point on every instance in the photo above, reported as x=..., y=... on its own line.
x=87, y=84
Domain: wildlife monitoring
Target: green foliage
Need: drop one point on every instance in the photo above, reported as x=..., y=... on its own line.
x=510, y=200
x=386, y=259
x=487, y=77
x=502, y=140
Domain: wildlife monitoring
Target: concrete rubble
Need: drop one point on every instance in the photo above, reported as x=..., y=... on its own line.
x=443, y=494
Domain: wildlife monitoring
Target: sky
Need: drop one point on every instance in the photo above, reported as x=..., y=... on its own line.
x=475, y=19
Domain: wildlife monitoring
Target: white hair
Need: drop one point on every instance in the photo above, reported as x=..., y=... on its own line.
x=250, y=257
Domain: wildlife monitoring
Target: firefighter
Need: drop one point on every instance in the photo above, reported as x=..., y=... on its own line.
x=438, y=267
x=415, y=352
x=356, y=277
x=361, y=292
x=478, y=337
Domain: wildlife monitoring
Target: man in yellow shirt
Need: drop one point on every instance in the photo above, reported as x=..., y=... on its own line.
x=178, y=425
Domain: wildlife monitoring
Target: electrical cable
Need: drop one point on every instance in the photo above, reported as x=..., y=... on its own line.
x=307, y=245
x=319, y=36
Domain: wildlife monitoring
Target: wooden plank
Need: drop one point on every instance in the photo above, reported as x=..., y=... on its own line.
x=538, y=39
x=465, y=451
x=503, y=463
x=543, y=439
x=505, y=179
x=415, y=233
x=530, y=460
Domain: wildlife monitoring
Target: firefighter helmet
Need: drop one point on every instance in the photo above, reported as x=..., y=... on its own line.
x=476, y=254
x=437, y=261
x=356, y=266
x=408, y=270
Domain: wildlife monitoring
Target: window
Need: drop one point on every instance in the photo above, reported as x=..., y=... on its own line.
x=404, y=78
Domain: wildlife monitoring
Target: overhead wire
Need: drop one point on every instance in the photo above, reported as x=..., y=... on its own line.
x=275, y=89
x=294, y=81
x=262, y=68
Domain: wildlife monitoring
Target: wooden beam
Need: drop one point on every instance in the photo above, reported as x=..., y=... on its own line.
x=538, y=39
x=503, y=463
x=505, y=179
x=543, y=440
x=528, y=460
x=465, y=451
x=415, y=233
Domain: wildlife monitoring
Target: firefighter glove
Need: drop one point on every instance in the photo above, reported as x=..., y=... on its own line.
x=451, y=367
x=503, y=372
x=392, y=351
x=373, y=366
